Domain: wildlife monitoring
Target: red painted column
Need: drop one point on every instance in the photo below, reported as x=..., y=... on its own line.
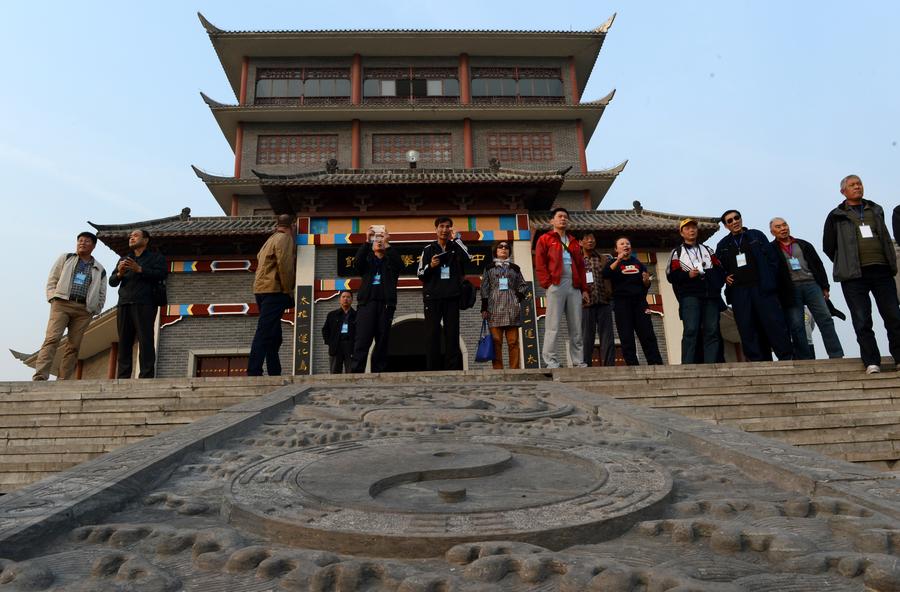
x=234, y=205
x=582, y=155
x=356, y=80
x=355, y=145
x=245, y=69
x=239, y=149
x=79, y=369
x=467, y=143
x=576, y=98
x=113, y=360
x=465, y=92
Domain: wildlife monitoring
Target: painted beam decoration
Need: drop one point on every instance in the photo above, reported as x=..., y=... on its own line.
x=172, y=313
x=211, y=265
x=410, y=255
x=303, y=330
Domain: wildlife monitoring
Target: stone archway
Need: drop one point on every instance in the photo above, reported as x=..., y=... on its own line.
x=407, y=346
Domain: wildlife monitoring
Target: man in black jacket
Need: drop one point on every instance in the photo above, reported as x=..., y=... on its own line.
x=379, y=266
x=441, y=271
x=801, y=270
x=339, y=332
x=140, y=275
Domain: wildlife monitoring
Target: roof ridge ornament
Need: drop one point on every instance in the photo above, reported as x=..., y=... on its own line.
x=604, y=28
x=494, y=164
x=638, y=208
x=210, y=28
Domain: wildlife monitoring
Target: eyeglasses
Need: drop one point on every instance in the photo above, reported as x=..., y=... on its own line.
x=733, y=219
x=503, y=246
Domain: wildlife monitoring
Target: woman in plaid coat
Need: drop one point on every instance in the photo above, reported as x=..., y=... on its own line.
x=502, y=290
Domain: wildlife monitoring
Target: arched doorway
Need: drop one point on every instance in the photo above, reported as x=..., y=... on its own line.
x=407, y=346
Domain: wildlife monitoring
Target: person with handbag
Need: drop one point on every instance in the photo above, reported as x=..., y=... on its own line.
x=502, y=290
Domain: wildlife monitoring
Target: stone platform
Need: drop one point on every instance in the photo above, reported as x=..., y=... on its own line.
x=439, y=485
x=828, y=406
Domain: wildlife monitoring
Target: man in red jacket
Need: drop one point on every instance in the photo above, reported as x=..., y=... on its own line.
x=559, y=265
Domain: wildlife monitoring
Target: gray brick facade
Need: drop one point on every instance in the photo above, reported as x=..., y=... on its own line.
x=233, y=333
x=254, y=130
x=565, y=142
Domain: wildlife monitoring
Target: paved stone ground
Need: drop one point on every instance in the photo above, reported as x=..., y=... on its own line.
x=450, y=486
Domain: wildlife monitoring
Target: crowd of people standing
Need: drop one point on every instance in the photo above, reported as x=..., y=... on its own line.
x=769, y=284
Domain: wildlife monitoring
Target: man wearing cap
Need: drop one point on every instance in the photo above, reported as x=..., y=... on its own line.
x=801, y=270
x=273, y=288
x=857, y=240
x=76, y=290
x=559, y=267
x=751, y=286
x=697, y=277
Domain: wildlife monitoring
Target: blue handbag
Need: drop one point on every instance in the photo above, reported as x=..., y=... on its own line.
x=485, y=351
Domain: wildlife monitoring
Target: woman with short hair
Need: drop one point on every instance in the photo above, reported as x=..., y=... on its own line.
x=502, y=290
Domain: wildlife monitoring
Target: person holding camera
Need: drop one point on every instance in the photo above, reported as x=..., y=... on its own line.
x=138, y=275
x=379, y=266
x=441, y=271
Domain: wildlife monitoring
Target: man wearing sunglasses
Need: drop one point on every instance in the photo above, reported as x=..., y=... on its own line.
x=751, y=287
x=857, y=240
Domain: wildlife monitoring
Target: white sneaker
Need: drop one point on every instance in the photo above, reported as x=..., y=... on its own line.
x=873, y=369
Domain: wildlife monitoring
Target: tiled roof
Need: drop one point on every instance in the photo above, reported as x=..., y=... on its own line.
x=345, y=105
x=409, y=176
x=624, y=219
x=179, y=230
x=214, y=30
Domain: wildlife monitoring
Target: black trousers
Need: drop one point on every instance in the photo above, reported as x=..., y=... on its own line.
x=340, y=363
x=268, y=337
x=877, y=281
x=135, y=322
x=598, y=320
x=446, y=310
x=631, y=317
x=373, y=321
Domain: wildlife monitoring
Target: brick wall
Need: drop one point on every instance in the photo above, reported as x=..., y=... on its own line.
x=252, y=131
x=565, y=142
x=454, y=128
x=218, y=332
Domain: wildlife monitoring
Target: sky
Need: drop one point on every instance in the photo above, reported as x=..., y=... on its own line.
x=762, y=106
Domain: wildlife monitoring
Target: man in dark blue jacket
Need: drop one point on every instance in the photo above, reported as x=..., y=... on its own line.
x=751, y=287
x=441, y=271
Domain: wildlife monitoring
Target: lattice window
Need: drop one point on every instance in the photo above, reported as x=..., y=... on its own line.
x=419, y=85
x=302, y=150
x=514, y=84
x=392, y=148
x=520, y=146
x=282, y=86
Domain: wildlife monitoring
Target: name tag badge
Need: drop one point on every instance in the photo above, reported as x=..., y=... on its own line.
x=741, y=259
x=345, y=328
x=866, y=231
x=589, y=277
x=376, y=281
x=80, y=278
x=567, y=257
x=795, y=263
x=504, y=283
x=445, y=272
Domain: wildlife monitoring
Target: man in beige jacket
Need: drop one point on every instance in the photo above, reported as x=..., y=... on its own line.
x=76, y=290
x=274, y=291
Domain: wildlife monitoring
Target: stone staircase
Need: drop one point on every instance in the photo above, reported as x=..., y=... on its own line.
x=46, y=427
x=829, y=406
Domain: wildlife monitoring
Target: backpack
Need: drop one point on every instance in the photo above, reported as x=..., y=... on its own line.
x=466, y=295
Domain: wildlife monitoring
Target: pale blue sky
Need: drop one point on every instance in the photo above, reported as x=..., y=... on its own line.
x=760, y=105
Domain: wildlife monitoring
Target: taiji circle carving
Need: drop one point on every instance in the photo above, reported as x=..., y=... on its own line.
x=419, y=496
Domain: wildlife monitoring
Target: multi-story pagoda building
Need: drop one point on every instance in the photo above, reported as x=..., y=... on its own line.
x=350, y=128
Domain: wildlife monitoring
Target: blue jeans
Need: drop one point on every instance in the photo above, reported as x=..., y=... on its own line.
x=877, y=280
x=810, y=295
x=267, y=340
x=697, y=313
